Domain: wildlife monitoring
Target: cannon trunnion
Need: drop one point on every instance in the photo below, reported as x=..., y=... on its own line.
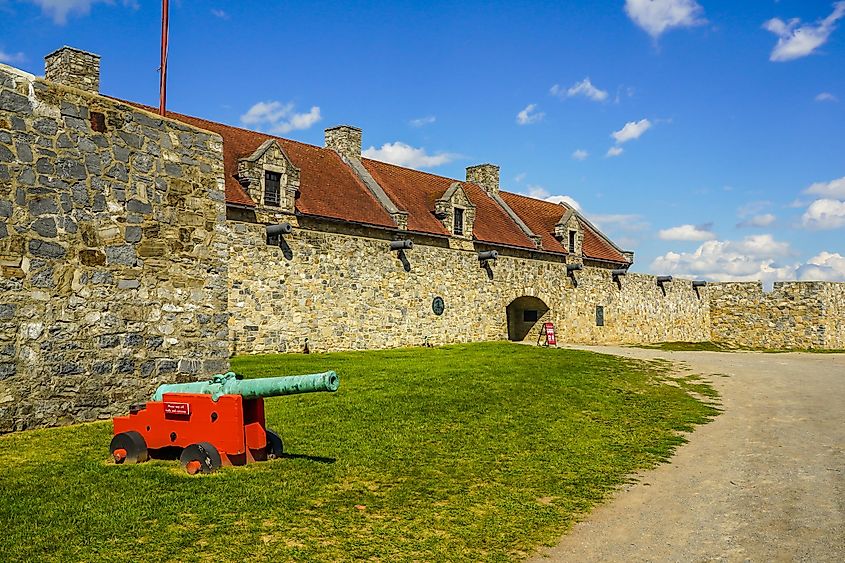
x=209, y=424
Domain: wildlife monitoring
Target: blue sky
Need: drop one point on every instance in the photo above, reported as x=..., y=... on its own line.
x=707, y=136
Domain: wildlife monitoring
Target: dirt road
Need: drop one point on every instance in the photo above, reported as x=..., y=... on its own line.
x=765, y=481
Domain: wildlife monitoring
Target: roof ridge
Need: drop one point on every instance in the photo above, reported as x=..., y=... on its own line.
x=418, y=171
x=543, y=201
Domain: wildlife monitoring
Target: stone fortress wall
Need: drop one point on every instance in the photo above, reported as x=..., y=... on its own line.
x=113, y=259
x=343, y=291
x=119, y=270
x=794, y=315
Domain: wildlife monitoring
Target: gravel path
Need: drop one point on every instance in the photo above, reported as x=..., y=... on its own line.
x=765, y=481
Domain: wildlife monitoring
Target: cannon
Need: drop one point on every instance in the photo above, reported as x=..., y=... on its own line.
x=208, y=424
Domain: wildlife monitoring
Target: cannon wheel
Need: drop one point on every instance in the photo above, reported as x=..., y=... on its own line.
x=200, y=458
x=129, y=447
x=275, y=447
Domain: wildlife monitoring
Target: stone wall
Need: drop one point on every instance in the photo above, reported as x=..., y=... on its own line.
x=112, y=254
x=792, y=315
x=348, y=291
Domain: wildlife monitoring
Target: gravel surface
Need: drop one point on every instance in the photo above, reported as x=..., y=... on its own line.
x=765, y=481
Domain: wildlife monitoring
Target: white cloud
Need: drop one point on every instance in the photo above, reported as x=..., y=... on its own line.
x=580, y=154
x=825, y=266
x=583, y=88
x=687, y=232
x=795, y=40
x=402, y=154
x=826, y=97
x=520, y=177
x=529, y=115
x=218, y=13
x=620, y=222
x=539, y=192
x=824, y=214
x=757, y=257
x=631, y=130
x=834, y=188
x=422, y=121
x=763, y=220
x=658, y=16
x=11, y=58
x=60, y=9
x=278, y=118
x=614, y=151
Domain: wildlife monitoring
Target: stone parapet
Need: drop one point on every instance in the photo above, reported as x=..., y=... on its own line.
x=113, y=263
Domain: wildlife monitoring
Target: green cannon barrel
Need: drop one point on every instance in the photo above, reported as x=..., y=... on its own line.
x=231, y=384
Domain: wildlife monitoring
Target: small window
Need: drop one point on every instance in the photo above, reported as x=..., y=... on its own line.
x=599, y=315
x=529, y=316
x=272, y=188
x=572, y=235
x=459, y=221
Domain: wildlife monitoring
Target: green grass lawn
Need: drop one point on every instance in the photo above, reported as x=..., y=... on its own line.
x=466, y=452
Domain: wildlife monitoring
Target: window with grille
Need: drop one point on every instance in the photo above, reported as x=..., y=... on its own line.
x=272, y=188
x=459, y=221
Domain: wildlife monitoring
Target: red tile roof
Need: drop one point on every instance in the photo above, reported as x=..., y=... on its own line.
x=416, y=192
x=329, y=188
x=542, y=216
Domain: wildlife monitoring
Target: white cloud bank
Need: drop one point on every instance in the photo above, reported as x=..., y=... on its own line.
x=795, y=40
x=687, y=232
x=584, y=88
x=11, y=58
x=59, y=10
x=278, y=118
x=539, y=192
x=757, y=257
x=403, y=154
x=763, y=220
x=658, y=16
x=422, y=121
x=529, y=115
x=828, y=211
x=631, y=130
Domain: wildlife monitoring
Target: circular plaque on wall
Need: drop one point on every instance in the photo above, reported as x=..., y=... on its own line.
x=437, y=305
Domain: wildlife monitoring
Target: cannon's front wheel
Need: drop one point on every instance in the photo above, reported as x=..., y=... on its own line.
x=200, y=458
x=275, y=447
x=129, y=447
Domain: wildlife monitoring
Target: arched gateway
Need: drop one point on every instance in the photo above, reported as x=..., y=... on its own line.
x=524, y=314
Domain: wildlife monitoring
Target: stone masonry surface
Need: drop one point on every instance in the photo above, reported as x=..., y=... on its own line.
x=350, y=292
x=112, y=253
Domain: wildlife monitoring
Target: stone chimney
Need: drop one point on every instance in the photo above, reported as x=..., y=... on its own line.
x=486, y=176
x=75, y=68
x=344, y=140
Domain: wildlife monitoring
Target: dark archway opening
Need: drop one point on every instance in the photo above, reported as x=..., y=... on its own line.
x=524, y=313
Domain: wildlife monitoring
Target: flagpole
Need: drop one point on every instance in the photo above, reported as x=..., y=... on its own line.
x=165, y=24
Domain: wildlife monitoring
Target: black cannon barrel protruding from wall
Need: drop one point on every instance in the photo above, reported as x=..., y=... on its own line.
x=280, y=229
x=573, y=267
x=406, y=244
x=663, y=279
x=699, y=283
x=619, y=272
x=488, y=255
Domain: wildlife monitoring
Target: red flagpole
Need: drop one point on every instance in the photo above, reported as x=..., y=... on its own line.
x=165, y=10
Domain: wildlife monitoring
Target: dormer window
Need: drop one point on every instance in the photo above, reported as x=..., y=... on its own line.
x=272, y=188
x=459, y=222
x=572, y=238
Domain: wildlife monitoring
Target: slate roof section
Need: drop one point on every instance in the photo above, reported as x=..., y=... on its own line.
x=542, y=216
x=416, y=192
x=330, y=188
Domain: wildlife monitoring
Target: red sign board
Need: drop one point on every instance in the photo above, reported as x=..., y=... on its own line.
x=549, y=330
x=177, y=408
